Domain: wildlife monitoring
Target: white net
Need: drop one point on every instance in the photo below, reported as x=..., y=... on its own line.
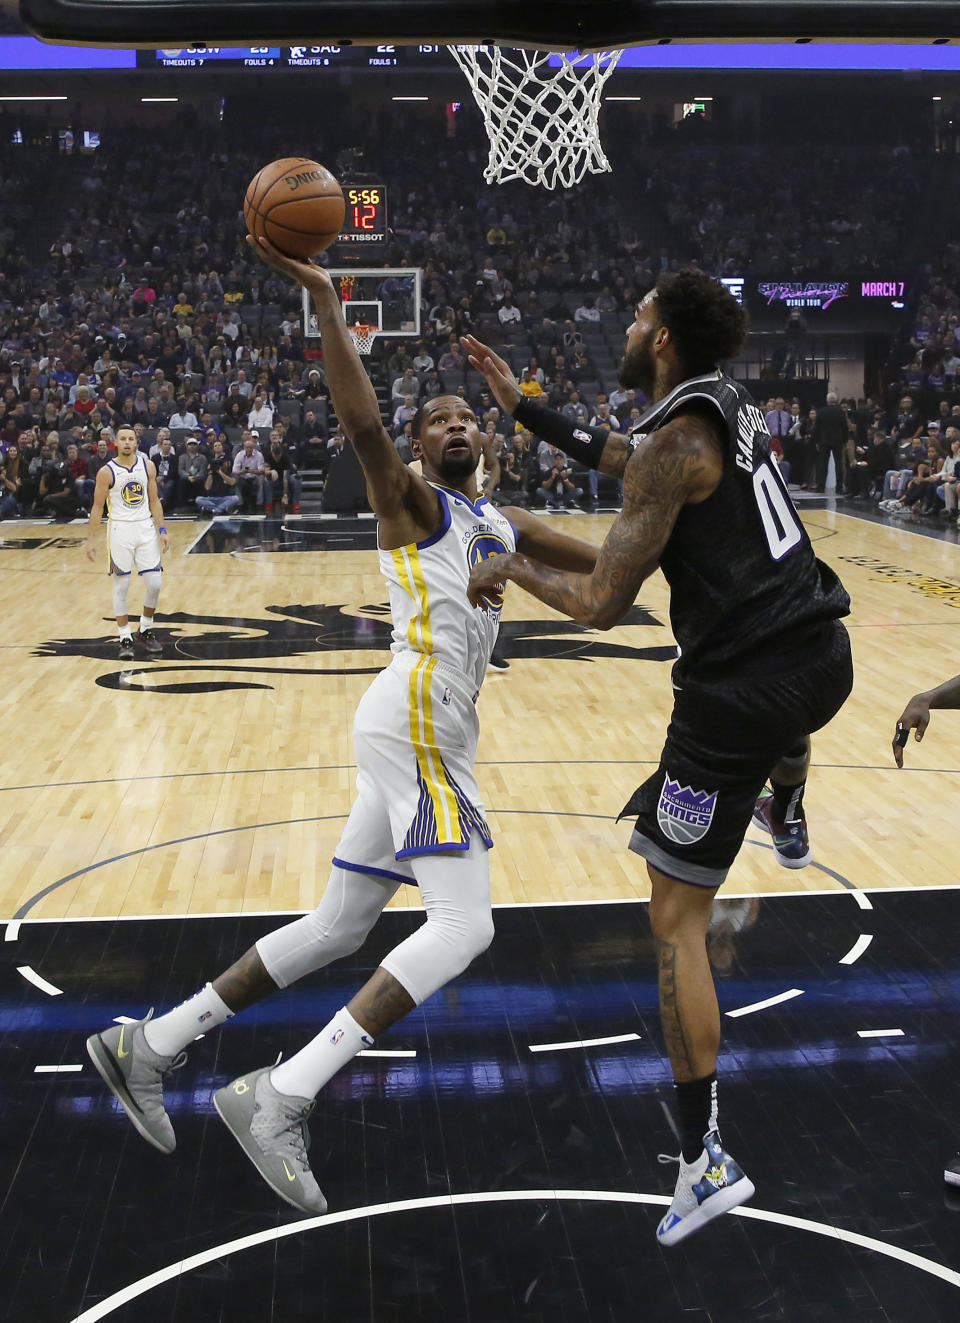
x=363, y=337
x=540, y=111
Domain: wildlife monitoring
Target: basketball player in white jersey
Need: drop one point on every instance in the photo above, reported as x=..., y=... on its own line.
x=136, y=536
x=418, y=816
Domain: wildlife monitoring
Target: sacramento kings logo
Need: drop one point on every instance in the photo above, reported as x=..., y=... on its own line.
x=684, y=814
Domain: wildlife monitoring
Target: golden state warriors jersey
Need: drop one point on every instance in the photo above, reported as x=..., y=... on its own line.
x=128, y=501
x=427, y=582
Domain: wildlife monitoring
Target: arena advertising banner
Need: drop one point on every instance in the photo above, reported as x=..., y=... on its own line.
x=864, y=299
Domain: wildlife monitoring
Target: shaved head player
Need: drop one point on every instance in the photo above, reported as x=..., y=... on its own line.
x=418, y=816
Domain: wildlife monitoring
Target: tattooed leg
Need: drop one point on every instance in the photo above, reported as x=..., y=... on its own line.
x=689, y=1014
x=381, y=1002
x=245, y=982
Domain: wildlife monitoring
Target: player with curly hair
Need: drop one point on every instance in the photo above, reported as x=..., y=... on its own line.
x=704, y=502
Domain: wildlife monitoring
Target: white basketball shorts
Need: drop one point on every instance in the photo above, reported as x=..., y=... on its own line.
x=133, y=545
x=415, y=740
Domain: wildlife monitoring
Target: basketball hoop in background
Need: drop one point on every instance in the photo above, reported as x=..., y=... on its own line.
x=363, y=337
x=540, y=111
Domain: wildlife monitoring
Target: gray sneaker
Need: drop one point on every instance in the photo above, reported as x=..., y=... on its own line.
x=271, y=1128
x=134, y=1073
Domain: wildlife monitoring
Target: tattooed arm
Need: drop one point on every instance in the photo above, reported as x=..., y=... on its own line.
x=680, y=464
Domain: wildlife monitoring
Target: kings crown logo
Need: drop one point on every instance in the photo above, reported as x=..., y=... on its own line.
x=684, y=814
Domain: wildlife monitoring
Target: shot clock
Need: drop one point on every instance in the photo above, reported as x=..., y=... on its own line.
x=365, y=221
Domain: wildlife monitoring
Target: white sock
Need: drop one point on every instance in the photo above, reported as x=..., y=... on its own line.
x=125, y=631
x=170, y=1033
x=305, y=1074
x=146, y=622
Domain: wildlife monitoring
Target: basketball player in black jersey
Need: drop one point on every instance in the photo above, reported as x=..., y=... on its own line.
x=763, y=657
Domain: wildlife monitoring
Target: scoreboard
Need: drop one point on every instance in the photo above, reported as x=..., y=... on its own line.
x=365, y=217
x=296, y=57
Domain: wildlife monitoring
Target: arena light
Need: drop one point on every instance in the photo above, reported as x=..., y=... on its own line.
x=145, y=99
x=409, y=98
x=623, y=98
x=33, y=98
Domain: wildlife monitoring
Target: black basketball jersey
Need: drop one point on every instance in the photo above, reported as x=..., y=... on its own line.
x=744, y=582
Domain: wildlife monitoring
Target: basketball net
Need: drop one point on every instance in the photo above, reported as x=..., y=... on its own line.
x=542, y=121
x=363, y=337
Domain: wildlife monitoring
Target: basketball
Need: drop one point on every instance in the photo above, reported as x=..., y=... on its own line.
x=295, y=203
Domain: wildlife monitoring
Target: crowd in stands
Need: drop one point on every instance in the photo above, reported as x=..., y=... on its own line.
x=147, y=309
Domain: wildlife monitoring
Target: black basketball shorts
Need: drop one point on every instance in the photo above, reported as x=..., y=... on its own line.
x=725, y=736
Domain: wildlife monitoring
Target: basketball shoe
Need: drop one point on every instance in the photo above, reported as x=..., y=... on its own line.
x=271, y=1128
x=125, y=652
x=706, y=1188
x=951, y=1173
x=134, y=1073
x=791, y=843
x=147, y=640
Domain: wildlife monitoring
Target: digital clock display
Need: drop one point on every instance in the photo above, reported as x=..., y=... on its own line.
x=365, y=221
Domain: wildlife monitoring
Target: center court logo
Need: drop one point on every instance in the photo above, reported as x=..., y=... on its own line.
x=683, y=814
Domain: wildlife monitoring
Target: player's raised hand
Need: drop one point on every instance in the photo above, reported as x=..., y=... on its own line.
x=308, y=274
x=915, y=716
x=497, y=371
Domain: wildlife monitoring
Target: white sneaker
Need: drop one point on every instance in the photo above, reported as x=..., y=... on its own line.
x=706, y=1188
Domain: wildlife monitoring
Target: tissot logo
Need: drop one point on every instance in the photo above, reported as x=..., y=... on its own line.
x=212, y=654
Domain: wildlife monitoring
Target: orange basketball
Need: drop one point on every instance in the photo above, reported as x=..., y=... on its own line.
x=295, y=203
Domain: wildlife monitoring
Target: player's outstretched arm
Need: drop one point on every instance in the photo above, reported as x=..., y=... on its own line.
x=597, y=447
x=678, y=464
x=354, y=398
x=916, y=715
x=538, y=539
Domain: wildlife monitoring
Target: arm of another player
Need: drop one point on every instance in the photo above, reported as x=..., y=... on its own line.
x=491, y=466
x=100, y=490
x=156, y=509
x=916, y=715
x=679, y=464
x=390, y=483
x=597, y=447
x=538, y=539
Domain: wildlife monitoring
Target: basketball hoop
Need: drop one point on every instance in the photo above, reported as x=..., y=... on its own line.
x=541, y=117
x=363, y=337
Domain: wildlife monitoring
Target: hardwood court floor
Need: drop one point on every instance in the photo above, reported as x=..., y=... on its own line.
x=217, y=779
x=522, y=1136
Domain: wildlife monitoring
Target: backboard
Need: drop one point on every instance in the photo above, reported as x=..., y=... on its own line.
x=559, y=25
x=385, y=297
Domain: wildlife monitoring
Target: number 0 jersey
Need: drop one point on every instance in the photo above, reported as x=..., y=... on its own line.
x=129, y=500
x=744, y=582
x=427, y=583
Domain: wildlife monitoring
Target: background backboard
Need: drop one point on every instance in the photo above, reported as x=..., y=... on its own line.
x=385, y=297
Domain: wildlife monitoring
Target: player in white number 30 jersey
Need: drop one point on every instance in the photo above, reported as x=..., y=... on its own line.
x=135, y=536
x=418, y=815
